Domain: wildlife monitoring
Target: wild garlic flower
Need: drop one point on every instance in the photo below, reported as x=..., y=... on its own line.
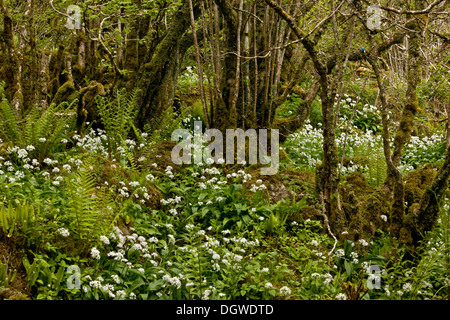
x=95, y=253
x=64, y=232
x=285, y=291
x=104, y=239
x=341, y=296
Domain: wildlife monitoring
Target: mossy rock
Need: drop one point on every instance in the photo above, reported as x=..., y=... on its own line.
x=417, y=181
x=357, y=183
x=89, y=94
x=65, y=93
x=358, y=201
x=113, y=173
x=159, y=153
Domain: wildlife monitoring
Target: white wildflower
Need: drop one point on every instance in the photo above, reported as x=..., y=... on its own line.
x=64, y=232
x=285, y=291
x=95, y=253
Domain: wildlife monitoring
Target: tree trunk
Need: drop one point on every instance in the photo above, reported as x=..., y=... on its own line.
x=158, y=78
x=13, y=66
x=327, y=174
x=404, y=131
x=225, y=114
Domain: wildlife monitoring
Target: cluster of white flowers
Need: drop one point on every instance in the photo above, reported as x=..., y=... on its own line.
x=22, y=153
x=169, y=172
x=256, y=187
x=93, y=142
x=239, y=174
x=63, y=232
x=340, y=253
x=106, y=288
x=211, y=171
x=341, y=296
x=104, y=239
x=354, y=256
x=407, y=287
x=285, y=291
x=363, y=242
x=134, y=184
x=173, y=281
x=421, y=150
x=95, y=253
x=175, y=200
x=123, y=192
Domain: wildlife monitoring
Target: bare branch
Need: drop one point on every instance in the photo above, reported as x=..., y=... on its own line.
x=403, y=11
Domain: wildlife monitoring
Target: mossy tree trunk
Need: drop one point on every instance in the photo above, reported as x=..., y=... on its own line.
x=409, y=227
x=225, y=113
x=405, y=128
x=157, y=78
x=13, y=66
x=327, y=175
x=425, y=216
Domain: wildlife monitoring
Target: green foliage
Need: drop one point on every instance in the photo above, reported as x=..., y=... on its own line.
x=49, y=275
x=365, y=117
x=279, y=213
x=90, y=208
x=6, y=276
x=117, y=115
x=9, y=124
x=162, y=127
x=423, y=150
x=373, y=153
x=16, y=217
x=289, y=107
x=315, y=115
x=43, y=130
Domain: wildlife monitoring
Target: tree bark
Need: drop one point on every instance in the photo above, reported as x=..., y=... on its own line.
x=13, y=67
x=158, y=77
x=327, y=173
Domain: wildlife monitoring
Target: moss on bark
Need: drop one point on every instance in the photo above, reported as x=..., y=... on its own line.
x=64, y=92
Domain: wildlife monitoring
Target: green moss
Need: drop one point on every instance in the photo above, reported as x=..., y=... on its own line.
x=417, y=181
x=362, y=205
x=159, y=153
x=64, y=92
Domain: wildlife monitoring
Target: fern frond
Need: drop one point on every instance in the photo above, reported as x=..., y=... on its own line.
x=9, y=124
x=83, y=202
x=117, y=115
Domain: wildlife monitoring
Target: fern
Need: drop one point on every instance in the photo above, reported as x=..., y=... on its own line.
x=163, y=126
x=9, y=124
x=83, y=202
x=376, y=162
x=91, y=209
x=51, y=124
x=117, y=115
